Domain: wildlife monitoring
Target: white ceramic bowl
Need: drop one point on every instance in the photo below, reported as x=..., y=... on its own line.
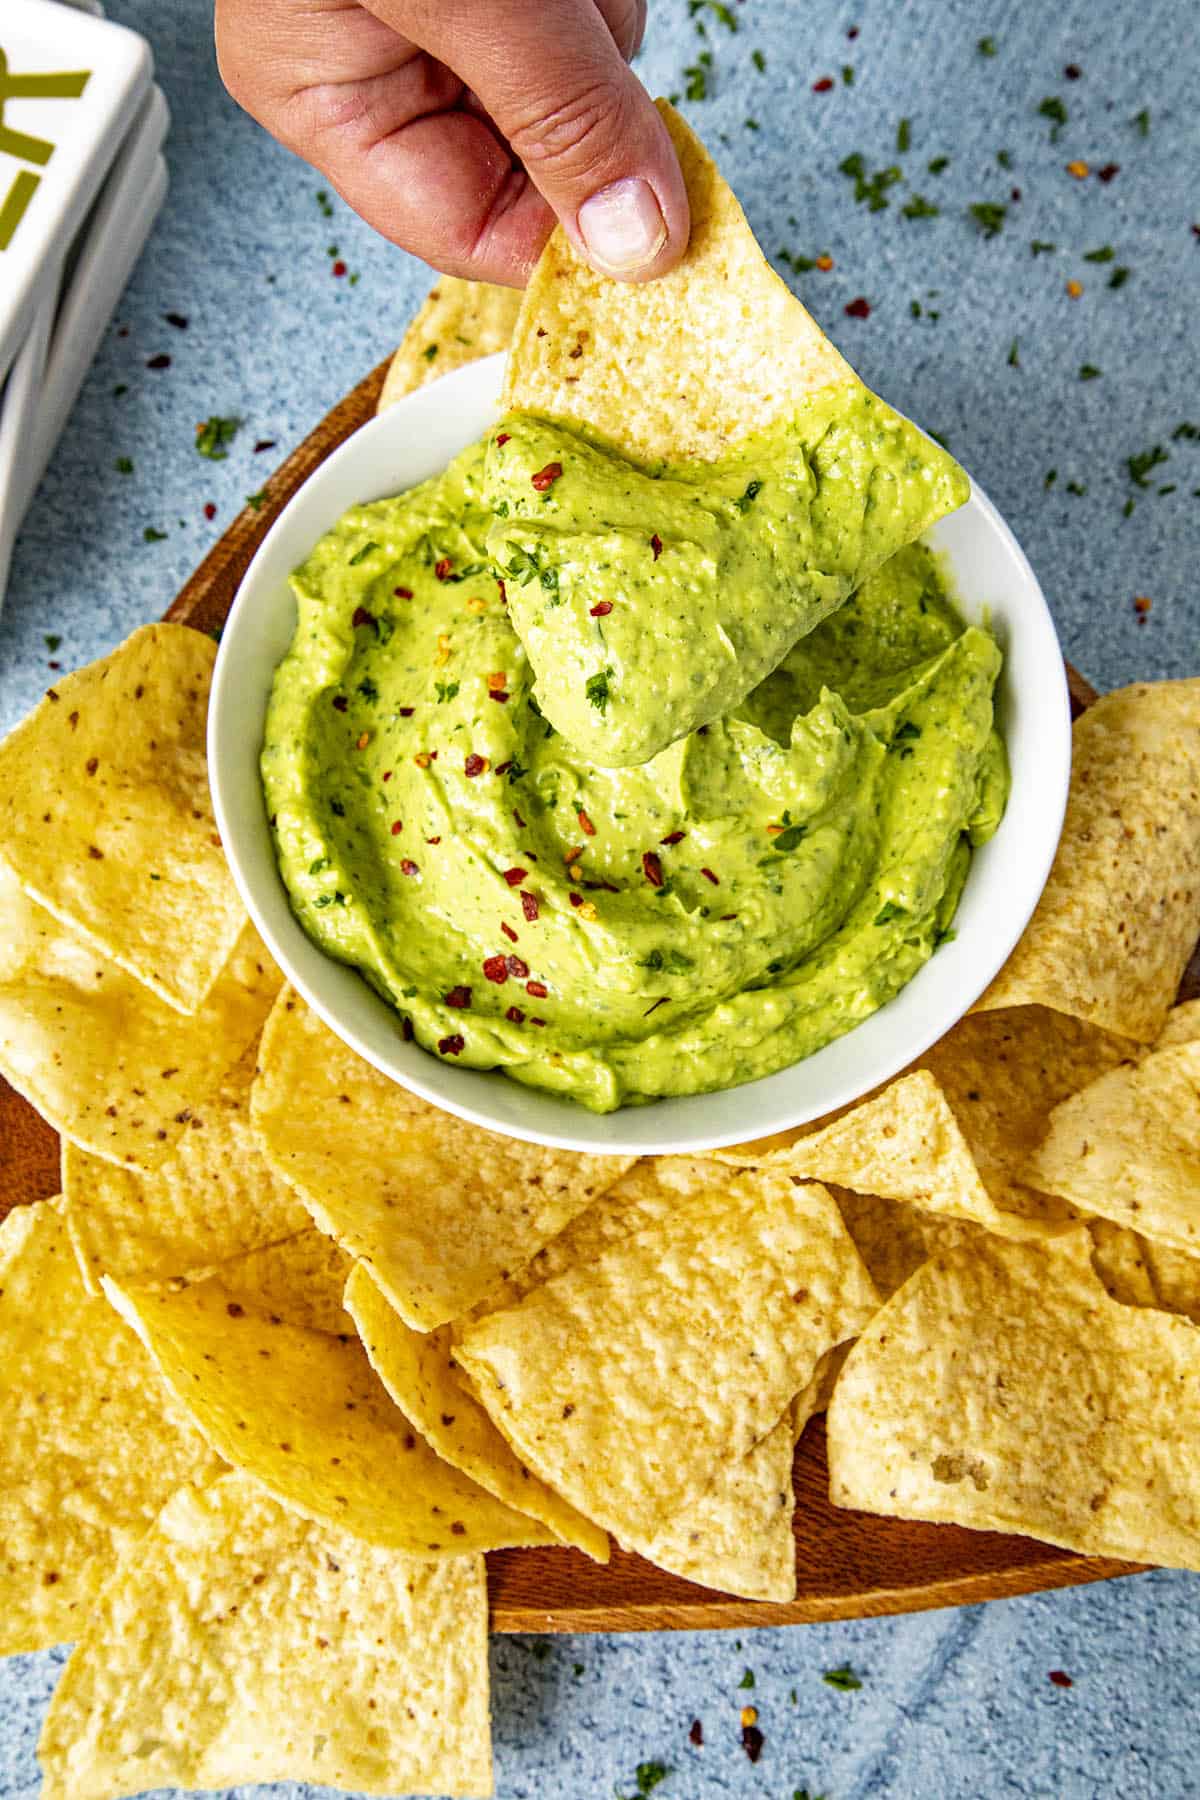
x=415, y=440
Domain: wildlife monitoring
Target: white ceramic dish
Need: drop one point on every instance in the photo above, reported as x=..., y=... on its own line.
x=413, y=441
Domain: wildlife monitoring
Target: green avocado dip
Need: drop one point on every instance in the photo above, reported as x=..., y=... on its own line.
x=652, y=599
x=618, y=933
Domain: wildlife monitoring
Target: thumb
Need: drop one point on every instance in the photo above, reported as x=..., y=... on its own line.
x=556, y=85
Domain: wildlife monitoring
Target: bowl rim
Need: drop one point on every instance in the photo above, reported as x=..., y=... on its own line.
x=316, y=976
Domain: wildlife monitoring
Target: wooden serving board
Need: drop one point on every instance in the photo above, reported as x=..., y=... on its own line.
x=848, y=1564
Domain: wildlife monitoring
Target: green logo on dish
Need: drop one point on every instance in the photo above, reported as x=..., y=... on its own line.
x=27, y=149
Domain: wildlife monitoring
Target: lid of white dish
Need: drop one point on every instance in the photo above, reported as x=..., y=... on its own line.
x=70, y=86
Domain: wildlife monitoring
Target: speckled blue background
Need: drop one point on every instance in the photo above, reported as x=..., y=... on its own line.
x=952, y=1704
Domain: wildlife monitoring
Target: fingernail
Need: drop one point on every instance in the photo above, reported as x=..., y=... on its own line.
x=622, y=226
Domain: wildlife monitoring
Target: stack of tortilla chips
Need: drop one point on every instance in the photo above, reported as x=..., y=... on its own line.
x=293, y=1349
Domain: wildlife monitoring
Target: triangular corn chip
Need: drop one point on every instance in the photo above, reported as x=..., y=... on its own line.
x=441, y=1210
x=1139, y=1272
x=459, y=322
x=895, y=1238
x=241, y=1644
x=1120, y=914
x=91, y=1443
x=301, y=1280
x=105, y=813
x=1002, y=1389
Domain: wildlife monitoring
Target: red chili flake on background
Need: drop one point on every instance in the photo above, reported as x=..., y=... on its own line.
x=161, y=361
x=397, y=827
x=362, y=617
x=752, y=1742
x=508, y=931
x=529, y=905
x=406, y=1030
x=177, y=320
x=546, y=478
x=340, y=703
x=451, y=1046
x=504, y=767
x=673, y=837
x=537, y=989
x=1141, y=606
x=339, y=268
x=859, y=309
x=1107, y=172
x=518, y=818
x=601, y=609
x=496, y=969
x=575, y=899
x=515, y=1016
x=406, y=712
x=264, y=444
x=515, y=876
x=502, y=697
x=409, y=868
x=402, y=593
x=571, y=856
x=442, y=568
x=823, y=86
x=652, y=868
x=696, y=1734
x=585, y=824
x=709, y=876
x=725, y=918
x=518, y=968
x=1060, y=1678
x=1072, y=71
x=386, y=776
x=656, y=546
x=458, y=996
x=210, y=511
x=503, y=437
x=1014, y=194
x=661, y=1001
x=537, y=1021
x=852, y=32
x=436, y=840
x=474, y=765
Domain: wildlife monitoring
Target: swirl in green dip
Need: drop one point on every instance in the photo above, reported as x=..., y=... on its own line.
x=616, y=934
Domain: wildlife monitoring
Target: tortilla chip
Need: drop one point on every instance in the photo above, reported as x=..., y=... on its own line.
x=1120, y=914
x=1139, y=1272
x=242, y=1644
x=629, y=1382
x=105, y=1061
x=459, y=322
x=211, y=1198
x=105, y=813
x=302, y=1412
x=417, y=1370
x=737, y=1537
x=1002, y=1389
x=894, y=1238
x=442, y=1211
x=91, y=1444
x=1128, y=1147
x=1182, y=1026
x=302, y=1280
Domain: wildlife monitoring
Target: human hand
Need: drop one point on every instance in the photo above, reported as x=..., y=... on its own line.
x=461, y=128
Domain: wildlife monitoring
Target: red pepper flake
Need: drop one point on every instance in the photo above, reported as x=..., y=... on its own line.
x=442, y=568
x=362, y=740
x=475, y=765
x=386, y=776
x=409, y=868
x=1141, y=606
x=502, y=438
x=498, y=694
x=508, y=931
x=709, y=876
x=435, y=840
x=696, y=1734
x=537, y=989
x=601, y=609
x=518, y=818
x=402, y=593
x=546, y=478
x=673, y=837
x=824, y=263
x=1072, y=71
x=92, y=764
x=515, y=1016
x=210, y=511
x=504, y=767
x=529, y=905
x=652, y=868
x=537, y=1021
x=339, y=268
x=1060, y=1678
x=496, y=969
x=725, y=918
x=503, y=591
x=451, y=1046
x=515, y=876
x=397, y=827
x=575, y=899
x=1107, y=173
x=340, y=703
x=161, y=361
x=852, y=31
x=752, y=1742
x=406, y=1030
x=656, y=546
x=264, y=444
x=518, y=968
x=823, y=86
x=585, y=824
x=858, y=309
x=406, y=712
x=458, y=996
x=362, y=617
x=570, y=856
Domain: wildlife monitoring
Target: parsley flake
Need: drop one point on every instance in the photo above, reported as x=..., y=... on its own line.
x=844, y=1678
x=648, y=1776
x=214, y=435
x=1141, y=466
x=989, y=216
x=596, y=689
x=1141, y=122
x=759, y=61
x=986, y=46
x=747, y=1680
x=1088, y=372
x=363, y=551
x=938, y=164
x=1118, y=278
x=124, y=465
x=904, y=136
x=920, y=208
x=1052, y=108
x=1104, y=254
x=746, y=501
x=151, y=536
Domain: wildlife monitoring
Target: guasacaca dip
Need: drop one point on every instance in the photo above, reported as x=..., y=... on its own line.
x=616, y=934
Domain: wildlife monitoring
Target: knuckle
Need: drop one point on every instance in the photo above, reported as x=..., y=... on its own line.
x=573, y=138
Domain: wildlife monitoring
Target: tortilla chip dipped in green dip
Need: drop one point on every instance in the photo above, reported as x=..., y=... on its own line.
x=635, y=907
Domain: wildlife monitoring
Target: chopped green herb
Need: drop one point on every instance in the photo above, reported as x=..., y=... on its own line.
x=1014, y=355
x=1053, y=109
x=324, y=203
x=577, y=1668
x=801, y=264
x=1127, y=509
x=904, y=136
x=1187, y=432
x=363, y=551
x=989, y=216
x=759, y=61
x=696, y=76
x=367, y=688
x=122, y=387
x=786, y=841
x=1004, y=158
x=753, y=490
x=1140, y=466
x=908, y=733
x=124, y=465
x=670, y=962
x=1088, y=372
x=725, y=14
x=914, y=307
x=747, y=1680
x=938, y=164
x=1051, y=478
x=1118, y=278
x=1079, y=488
x=844, y=1678
x=803, y=1794
x=446, y=690
x=752, y=125
x=1041, y=247
x=920, y=208
x=52, y=640
x=986, y=46
x=1169, y=488
x=1141, y=121
x=1104, y=254
x=429, y=352
x=214, y=435
x=596, y=689
x=884, y=916
x=648, y=1776
x=151, y=536
x=255, y=501
x=847, y=75
x=869, y=190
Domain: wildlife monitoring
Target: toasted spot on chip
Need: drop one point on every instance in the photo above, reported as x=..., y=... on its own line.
x=310, y=1657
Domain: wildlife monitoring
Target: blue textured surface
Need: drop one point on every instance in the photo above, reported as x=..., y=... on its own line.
x=952, y=1704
